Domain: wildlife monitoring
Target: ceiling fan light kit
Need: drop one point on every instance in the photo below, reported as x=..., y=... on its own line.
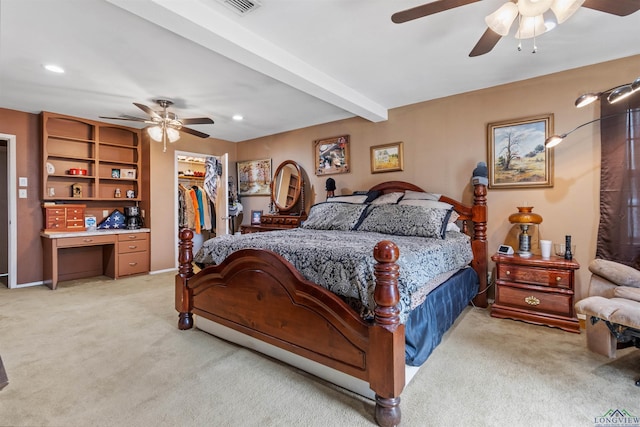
x=535, y=17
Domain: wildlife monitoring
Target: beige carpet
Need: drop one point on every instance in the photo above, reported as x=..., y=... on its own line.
x=108, y=353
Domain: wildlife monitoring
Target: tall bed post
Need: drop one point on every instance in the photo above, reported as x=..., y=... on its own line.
x=387, y=372
x=184, y=295
x=479, y=242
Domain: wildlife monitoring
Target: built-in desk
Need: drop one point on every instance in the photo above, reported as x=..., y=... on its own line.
x=113, y=253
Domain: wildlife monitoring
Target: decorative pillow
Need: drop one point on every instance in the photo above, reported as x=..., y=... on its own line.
x=406, y=220
x=334, y=216
x=420, y=195
x=356, y=198
x=429, y=203
x=389, y=198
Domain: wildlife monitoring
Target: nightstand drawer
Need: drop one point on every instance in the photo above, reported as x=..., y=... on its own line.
x=535, y=276
x=547, y=302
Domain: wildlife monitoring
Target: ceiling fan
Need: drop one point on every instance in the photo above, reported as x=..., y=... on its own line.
x=529, y=13
x=165, y=124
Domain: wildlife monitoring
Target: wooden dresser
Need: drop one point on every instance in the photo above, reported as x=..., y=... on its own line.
x=274, y=222
x=536, y=290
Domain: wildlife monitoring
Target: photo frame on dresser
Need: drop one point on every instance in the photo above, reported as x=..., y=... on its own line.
x=256, y=216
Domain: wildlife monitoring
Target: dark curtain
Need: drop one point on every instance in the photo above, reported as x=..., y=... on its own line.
x=619, y=229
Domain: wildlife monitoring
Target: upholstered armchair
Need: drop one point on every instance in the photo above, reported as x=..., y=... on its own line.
x=612, y=308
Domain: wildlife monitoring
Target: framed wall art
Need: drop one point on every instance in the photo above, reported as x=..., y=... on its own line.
x=517, y=155
x=332, y=155
x=254, y=177
x=386, y=158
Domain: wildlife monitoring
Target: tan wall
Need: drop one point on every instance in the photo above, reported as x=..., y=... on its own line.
x=445, y=138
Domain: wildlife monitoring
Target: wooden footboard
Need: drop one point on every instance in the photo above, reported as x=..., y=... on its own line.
x=260, y=294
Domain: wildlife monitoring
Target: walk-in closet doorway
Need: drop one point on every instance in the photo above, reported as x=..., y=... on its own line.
x=194, y=162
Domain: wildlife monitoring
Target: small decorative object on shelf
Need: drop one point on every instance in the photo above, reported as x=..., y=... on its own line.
x=131, y=194
x=51, y=192
x=76, y=190
x=115, y=173
x=117, y=193
x=567, y=248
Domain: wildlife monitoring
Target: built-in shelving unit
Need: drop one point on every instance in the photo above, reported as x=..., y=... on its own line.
x=97, y=150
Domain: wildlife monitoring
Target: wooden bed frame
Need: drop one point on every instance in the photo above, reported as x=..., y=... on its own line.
x=260, y=294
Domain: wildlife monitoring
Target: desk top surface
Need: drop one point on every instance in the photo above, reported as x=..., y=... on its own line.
x=64, y=234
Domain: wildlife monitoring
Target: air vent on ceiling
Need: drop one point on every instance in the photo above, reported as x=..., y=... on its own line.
x=241, y=7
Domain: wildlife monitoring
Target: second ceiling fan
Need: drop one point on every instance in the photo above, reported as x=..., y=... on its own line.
x=530, y=13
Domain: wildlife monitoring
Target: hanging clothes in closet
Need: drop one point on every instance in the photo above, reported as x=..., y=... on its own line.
x=196, y=203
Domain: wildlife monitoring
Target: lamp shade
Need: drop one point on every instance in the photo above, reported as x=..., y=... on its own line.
x=532, y=8
x=525, y=216
x=563, y=9
x=619, y=93
x=531, y=27
x=500, y=21
x=155, y=132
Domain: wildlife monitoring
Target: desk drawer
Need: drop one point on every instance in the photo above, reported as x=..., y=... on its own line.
x=133, y=246
x=128, y=237
x=66, y=242
x=133, y=263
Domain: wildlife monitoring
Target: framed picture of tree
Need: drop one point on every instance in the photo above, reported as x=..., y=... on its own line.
x=254, y=177
x=517, y=155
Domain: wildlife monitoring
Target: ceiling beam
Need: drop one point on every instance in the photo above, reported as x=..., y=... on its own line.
x=195, y=21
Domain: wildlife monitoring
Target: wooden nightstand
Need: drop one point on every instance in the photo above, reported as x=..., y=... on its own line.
x=536, y=290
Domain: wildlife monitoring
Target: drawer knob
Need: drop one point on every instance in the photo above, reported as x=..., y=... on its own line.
x=531, y=300
x=508, y=272
x=87, y=240
x=132, y=236
x=133, y=263
x=132, y=246
x=558, y=279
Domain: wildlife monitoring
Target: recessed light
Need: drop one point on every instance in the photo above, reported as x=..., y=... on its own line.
x=237, y=117
x=54, y=68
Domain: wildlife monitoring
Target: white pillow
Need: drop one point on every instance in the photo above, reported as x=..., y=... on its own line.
x=387, y=199
x=420, y=195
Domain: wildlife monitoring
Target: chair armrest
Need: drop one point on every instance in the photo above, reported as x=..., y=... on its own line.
x=627, y=293
x=619, y=274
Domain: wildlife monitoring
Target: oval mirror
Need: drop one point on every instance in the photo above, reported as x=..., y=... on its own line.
x=286, y=186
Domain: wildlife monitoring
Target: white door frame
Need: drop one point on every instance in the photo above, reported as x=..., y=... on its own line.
x=12, y=206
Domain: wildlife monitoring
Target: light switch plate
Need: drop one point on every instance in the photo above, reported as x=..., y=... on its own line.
x=22, y=193
x=23, y=181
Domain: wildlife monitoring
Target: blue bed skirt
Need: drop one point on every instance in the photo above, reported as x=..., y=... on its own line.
x=428, y=322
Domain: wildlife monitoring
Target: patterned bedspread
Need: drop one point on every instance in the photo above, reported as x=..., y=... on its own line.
x=342, y=261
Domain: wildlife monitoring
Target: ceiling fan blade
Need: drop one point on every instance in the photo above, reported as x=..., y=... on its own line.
x=148, y=110
x=614, y=7
x=487, y=42
x=428, y=9
x=194, y=132
x=197, y=121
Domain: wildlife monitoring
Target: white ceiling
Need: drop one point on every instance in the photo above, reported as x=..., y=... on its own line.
x=286, y=65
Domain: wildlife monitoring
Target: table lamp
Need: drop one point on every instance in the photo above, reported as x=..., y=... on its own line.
x=524, y=218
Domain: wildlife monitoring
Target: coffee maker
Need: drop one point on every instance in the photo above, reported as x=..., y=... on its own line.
x=133, y=220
